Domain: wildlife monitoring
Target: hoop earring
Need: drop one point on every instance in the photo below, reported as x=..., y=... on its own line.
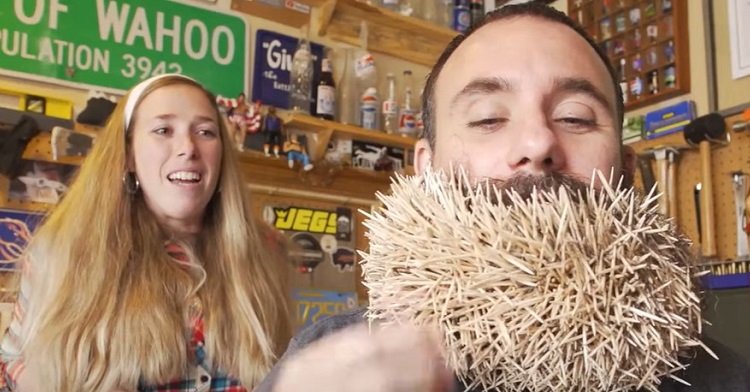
x=131, y=183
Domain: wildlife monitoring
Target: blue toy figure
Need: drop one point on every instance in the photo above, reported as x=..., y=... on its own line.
x=296, y=151
x=272, y=130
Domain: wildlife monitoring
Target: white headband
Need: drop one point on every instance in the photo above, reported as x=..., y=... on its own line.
x=137, y=91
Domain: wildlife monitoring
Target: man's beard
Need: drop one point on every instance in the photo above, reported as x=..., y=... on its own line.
x=536, y=282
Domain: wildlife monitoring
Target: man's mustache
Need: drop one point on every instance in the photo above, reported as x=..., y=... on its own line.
x=524, y=185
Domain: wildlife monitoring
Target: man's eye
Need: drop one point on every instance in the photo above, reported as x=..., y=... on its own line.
x=577, y=122
x=486, y=123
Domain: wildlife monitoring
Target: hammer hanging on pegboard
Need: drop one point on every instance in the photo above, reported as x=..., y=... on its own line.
x=704, y=132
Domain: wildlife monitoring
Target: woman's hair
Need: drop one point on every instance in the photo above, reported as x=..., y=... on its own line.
x=108, y=306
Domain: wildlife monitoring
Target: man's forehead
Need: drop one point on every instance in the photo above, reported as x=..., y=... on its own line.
x=505, y=47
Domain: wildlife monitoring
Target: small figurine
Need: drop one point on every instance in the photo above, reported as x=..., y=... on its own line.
x=637, y=63
x=635, y=16
x=653, y=84
x=295, y=151
x=272, y=128
x=670, y=79
x=652, y=31
x=652, y=57
x=666, y=6
x=650, y=9
x=619, y=47
x=669, y=51
x=636, y=87
x=624, y=90
x=605, y=28
x=620, y=23
x=237, y=120
x=623, y=73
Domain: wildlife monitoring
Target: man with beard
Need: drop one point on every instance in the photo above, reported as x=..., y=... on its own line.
x=525, y=98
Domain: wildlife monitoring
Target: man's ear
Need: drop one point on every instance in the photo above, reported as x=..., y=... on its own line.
x=422, y=156
x=629, y=160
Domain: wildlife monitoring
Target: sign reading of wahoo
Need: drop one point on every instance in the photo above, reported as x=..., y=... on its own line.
x=113, y=44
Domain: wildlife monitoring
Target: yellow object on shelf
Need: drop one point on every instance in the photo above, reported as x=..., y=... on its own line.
x=29, y=101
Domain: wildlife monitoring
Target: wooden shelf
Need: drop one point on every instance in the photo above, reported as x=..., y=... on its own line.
x=283, y=15
x=389, y=32
x=342, y=182
x=326, y=129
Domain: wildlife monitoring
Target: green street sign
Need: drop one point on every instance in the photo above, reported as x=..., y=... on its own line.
x=111, y=45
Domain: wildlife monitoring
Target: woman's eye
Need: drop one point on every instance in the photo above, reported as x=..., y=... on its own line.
x=207, y=132
x=161, y=131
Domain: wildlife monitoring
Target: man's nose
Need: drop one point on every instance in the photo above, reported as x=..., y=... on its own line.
x=537, y=149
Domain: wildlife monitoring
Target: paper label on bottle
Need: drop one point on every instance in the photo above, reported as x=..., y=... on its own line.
x=390, y=2
x=326, y=100
x=390, y=107
x=369, y=117
x=368, y=109
x=326, y=65
x=407, y=122
x=365, y=66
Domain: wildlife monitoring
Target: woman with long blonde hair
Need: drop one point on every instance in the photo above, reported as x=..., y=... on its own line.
x=152, y=273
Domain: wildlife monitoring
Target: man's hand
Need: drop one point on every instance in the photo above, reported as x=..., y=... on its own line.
x=394, y=359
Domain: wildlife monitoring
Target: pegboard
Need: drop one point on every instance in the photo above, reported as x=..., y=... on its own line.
x=725, y=160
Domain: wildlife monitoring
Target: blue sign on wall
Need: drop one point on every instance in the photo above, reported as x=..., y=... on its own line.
x=273, y=66
x=16, y=229
x=668, y=120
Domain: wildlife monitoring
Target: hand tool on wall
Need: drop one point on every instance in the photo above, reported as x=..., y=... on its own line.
x=662, y=166
x=672, y=185
x=697, y=201
x=739, y=184
x=647, y=172
x=703, y=132
x=666, y=181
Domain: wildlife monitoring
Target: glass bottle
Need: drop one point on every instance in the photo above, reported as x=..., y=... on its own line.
x=301, y=75
x=393, y=5
x=407, y=121
x=325, y=92
x=390, y=107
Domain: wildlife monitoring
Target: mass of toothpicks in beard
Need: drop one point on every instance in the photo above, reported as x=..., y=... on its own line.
x=561, y=291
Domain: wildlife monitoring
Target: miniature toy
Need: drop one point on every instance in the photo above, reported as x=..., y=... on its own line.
x=296, y=151
x=272, y=128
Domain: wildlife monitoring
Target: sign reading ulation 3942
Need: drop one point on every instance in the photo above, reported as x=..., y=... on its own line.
x=113, y=44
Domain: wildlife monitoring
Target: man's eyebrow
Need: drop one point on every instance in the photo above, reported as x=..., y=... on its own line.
x=581, y=86
x=483, y=86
